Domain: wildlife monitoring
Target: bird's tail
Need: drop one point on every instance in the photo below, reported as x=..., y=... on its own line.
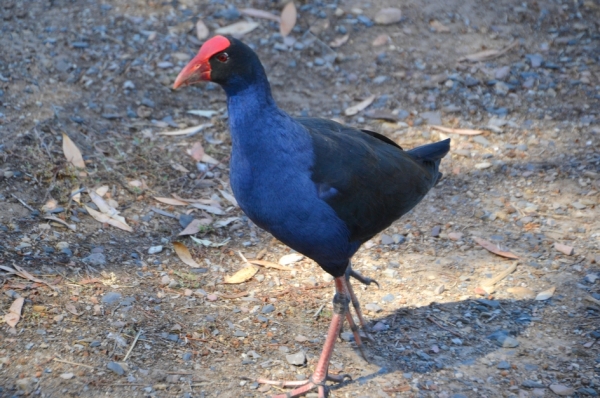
x=430, y=156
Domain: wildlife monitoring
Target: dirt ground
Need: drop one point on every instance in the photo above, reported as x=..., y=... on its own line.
x=103, y=316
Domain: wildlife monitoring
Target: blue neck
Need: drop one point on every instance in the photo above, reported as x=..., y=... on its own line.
x=253, y=114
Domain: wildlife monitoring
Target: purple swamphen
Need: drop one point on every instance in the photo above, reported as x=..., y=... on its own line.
x=320, y=187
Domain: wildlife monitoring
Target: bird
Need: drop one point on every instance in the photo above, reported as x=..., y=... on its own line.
x=320, y=187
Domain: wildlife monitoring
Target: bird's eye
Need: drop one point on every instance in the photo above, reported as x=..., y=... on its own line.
x=223, y=57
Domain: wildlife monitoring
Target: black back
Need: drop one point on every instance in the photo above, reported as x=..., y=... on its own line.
x=374, y=181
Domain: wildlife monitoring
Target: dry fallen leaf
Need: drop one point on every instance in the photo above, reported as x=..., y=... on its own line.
x=237, y=29
x=456, y=131
x=197, y=151
x=210, y=209
x=489, y=246
x=439, y=27
x=203, y=201
x=521, y=292
x=19, y=271
x=50, y=205
x=202, y=31
x=14, y=312
x=270, y=264
x=194, y=227
x=72, y=309
x=288, y=19
x=242, y=275
x=171, y=201
x=105, y=218
x=208, y=243
x=76, y=196
x=229, y=197
x=72, y=153
x=103, y=206
x=253, y=12
x=380, y=40
x=388, y=16
x=112, y=203
x=178, y=167
x=226, y=222
x=546, y=294
x=138, y=184
x=339, y=41
x=202, y=112
x=189, y=130
x=101, y=190
x=290, y=258
x=353, y=110
x=184, y=255
x=487, y=55
x=209, y=159
x=72, y=227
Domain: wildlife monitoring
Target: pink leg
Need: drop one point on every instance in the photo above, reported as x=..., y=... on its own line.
x=320, y=376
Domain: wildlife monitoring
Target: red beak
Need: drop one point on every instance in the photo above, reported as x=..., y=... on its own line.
x=198, y=69
x=194, y=72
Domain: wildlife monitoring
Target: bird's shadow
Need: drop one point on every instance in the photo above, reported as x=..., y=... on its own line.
x=453, y=335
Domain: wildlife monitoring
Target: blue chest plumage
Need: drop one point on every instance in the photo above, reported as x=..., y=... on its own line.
x=271, y=163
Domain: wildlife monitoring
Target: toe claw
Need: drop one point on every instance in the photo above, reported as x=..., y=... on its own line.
x=339, y=378
x=362, y=279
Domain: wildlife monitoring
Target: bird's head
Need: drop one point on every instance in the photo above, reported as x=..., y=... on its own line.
x=223, y=60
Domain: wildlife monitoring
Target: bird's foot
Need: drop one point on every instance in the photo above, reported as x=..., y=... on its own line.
x=305, y=386
x=362, y=279
x=363, y=323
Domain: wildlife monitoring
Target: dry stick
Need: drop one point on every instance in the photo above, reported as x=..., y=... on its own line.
x=319, y=310
x=132, y=345
x=430, y=319
x=73, y=363
x=23, y=203
x=501, y=275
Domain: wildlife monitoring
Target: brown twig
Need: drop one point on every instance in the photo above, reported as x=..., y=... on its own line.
x=137, y=336
x=430, y=319
x=73, y=363
x=23, y=203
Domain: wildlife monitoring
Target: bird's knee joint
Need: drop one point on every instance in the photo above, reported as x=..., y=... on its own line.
x=340, y=304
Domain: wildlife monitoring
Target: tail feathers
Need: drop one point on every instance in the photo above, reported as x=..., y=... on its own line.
x=430, y=156
x=431, y=152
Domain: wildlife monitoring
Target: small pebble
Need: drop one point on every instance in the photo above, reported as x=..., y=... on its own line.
x=95, y=259
x=388, y=298
x=111, y=298
x=483, y=165
x=562, y=390
x=503, y=365
x=532, y=384
x=267, y=309
x=502, y=339
x=155, y=249
x=115, y=367
x=398, y=239
x=297, y=359
x=373, y=307
x=386, y=239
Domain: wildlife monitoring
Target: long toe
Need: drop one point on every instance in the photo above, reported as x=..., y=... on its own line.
x=305, y=386
x=363, y=279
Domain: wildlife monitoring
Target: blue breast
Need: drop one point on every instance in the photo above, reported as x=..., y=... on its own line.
x=271, y=163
